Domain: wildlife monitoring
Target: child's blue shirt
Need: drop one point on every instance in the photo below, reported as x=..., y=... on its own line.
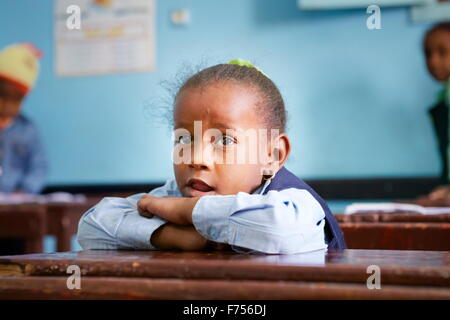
x=290, y=220
x=23, y=163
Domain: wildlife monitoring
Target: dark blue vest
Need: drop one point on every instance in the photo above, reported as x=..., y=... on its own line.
x=439, y=114
x=284, y=179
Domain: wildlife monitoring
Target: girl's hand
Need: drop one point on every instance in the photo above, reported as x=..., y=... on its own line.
x=177, y=210
x=440, y=193
x=171, y=236
x=439, y=197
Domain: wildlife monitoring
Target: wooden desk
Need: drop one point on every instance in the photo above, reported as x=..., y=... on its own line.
x=396, y=231
x=63, y=220
x=32, y=222
x=25, y=221
x=227, y=275
x=392, y=217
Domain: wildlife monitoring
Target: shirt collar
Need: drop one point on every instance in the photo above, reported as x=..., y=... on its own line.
x=263, y=187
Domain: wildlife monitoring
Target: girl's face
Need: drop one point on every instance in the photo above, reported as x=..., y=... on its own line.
x=214, y=127
x=437, y=51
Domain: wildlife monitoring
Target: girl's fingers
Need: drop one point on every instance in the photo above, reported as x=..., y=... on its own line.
x=142, y=207
x=146, y=214
x=440, y=193
x=434, y=195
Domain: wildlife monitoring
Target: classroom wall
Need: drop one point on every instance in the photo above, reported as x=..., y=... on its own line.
x=357, y=99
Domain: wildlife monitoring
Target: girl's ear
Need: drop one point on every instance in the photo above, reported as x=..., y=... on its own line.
x=279, y=152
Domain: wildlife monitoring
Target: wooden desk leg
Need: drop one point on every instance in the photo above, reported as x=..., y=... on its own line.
x=34, y=245
x=64, y=236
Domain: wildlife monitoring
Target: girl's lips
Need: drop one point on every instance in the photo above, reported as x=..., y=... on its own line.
x=199, y=185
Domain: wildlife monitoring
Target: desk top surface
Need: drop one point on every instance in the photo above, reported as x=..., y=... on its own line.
x=397, y=267
x=322, y=258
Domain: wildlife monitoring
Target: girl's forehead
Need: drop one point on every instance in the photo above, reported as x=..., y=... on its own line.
x=227, y=103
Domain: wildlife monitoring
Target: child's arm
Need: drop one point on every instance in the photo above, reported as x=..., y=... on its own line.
x=114, y=223
x=287, y=221
x=111, y=225
x=172, y=236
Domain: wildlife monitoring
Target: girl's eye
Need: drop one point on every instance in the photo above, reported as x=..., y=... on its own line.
x=184, y=139
x=226, y=141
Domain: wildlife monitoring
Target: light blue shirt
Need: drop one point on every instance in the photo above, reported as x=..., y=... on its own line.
x=23, y=163
x=287, y=221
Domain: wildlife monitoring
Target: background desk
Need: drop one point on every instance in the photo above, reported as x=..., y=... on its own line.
x=396, y=231
x=31, y=222
x=25, y=221
x=63, y=220
x=226, y=275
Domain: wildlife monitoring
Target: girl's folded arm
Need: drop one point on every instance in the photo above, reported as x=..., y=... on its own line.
x=114, y=223
x=287, y=221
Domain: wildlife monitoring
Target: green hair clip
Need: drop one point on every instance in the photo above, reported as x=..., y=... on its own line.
x=245, y=63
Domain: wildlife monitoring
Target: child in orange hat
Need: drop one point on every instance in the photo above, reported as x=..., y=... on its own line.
x=23, y=164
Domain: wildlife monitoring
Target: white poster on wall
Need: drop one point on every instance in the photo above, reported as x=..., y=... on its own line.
x=104, y=36
x=435, y=11
x=353, y=4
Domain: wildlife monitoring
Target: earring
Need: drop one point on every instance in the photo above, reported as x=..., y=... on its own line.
x=267, y=175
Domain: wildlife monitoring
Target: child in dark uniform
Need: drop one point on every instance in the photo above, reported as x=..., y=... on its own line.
x=437, y=53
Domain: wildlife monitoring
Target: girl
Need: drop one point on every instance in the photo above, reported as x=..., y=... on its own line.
x=221, y=196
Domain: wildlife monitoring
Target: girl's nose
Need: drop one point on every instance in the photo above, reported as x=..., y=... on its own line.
x=198, y=166
x=202, y=156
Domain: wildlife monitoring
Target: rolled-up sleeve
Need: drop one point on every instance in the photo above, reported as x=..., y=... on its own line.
x=287, y=221
x=114, y=223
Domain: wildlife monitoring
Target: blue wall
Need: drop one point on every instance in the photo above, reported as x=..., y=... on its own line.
x=357, y=99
